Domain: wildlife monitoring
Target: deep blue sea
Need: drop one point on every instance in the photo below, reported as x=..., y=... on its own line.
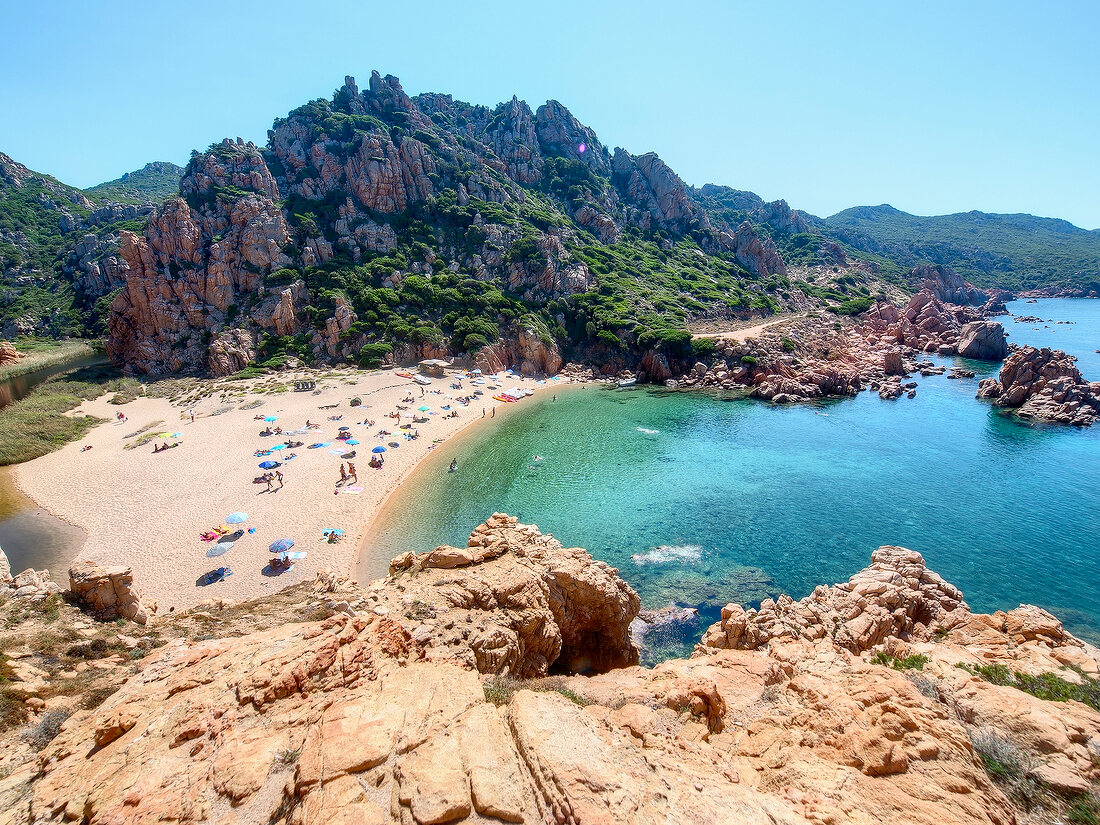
x=702, y=501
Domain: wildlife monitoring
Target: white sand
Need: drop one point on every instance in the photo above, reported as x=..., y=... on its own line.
x=147, y=511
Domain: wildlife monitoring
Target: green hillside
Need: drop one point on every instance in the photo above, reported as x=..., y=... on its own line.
x=151, y=183
x=1009, y=251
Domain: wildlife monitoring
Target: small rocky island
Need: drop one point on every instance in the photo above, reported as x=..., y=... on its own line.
x=498, y=682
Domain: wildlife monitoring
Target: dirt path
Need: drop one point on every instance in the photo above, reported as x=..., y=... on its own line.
x=734, y=332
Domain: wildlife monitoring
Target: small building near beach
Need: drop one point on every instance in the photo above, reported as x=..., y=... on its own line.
x=433, y=367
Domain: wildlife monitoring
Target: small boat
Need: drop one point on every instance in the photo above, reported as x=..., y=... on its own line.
x=422, y=380
x=627, y=382
x=404, y=375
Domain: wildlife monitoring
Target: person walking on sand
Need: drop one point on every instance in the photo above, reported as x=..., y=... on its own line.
x=343, y=475
x=482, y=412
x=494, y=415
x=352, y=475
x=267, y=478
x=191, y=412
x=279, y=476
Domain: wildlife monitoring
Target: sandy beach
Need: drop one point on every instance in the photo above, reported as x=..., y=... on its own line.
x=147, y=510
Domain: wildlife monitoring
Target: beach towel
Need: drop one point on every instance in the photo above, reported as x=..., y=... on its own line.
x=353, y=490
x=337, y=451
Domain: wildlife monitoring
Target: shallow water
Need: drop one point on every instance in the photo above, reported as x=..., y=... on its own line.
x=29, y=535
x=702, y=501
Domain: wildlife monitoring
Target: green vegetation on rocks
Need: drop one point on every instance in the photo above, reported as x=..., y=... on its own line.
x=1007, y=251
x=1049, y=686
x=152, y=182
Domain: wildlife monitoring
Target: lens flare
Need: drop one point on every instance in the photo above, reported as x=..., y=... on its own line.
x=581, y=148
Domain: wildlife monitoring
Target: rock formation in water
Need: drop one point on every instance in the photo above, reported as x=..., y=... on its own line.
x=1044, y=384
x=377, y=706
x=983, y=340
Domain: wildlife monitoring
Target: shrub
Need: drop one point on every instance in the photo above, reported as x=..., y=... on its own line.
x=702, y=347
x=1048, y=686
x=748, y=361
x=915, y=662
x=499, y=689
x=1007, y=765
x=788, y=345
x=43, y=732
x=853, y=306
x=1085, y=810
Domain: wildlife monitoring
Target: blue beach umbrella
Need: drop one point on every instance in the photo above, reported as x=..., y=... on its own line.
x=272, y=418
x=379, y=449
x=352, y=441
x=279, y=447
x=281, y=546
x=270, y=465
x=221, y=548
x=236, y=518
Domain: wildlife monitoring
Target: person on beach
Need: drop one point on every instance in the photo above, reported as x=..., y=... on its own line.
x=279, y=476
x=482, y=412
x=191, y=412
x=352, y=475
x=268, y=479
x=343, y=475
x=494, y=415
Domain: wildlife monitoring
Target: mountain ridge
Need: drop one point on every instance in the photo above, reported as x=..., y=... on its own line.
x=153, y=182
x=591, y=207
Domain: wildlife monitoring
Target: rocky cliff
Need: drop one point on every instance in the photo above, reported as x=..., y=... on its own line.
x=422, y=700
x=59, y=251
x=377, y=227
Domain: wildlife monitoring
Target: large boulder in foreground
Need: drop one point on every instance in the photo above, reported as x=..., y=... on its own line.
x=106, y=592
x=983, y=340
x=1044, y=384
x=897, y=596
x=364, y=717
x=514, y=601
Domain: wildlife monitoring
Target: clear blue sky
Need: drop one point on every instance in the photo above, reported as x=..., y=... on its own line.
x=933, y=107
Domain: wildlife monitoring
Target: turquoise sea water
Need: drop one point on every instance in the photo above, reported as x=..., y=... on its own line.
x=702, y=501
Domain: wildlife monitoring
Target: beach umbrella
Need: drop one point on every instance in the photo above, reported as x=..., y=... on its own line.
x=236, y=518
x=423, y=408
x=219, y=549
x=476, y=372
x=352, y=441
x=270, y=465
x=272, y=418
x=335, y=530
x=379, y=449
x=279, y=447
x=344, y=428
x=281, y=546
